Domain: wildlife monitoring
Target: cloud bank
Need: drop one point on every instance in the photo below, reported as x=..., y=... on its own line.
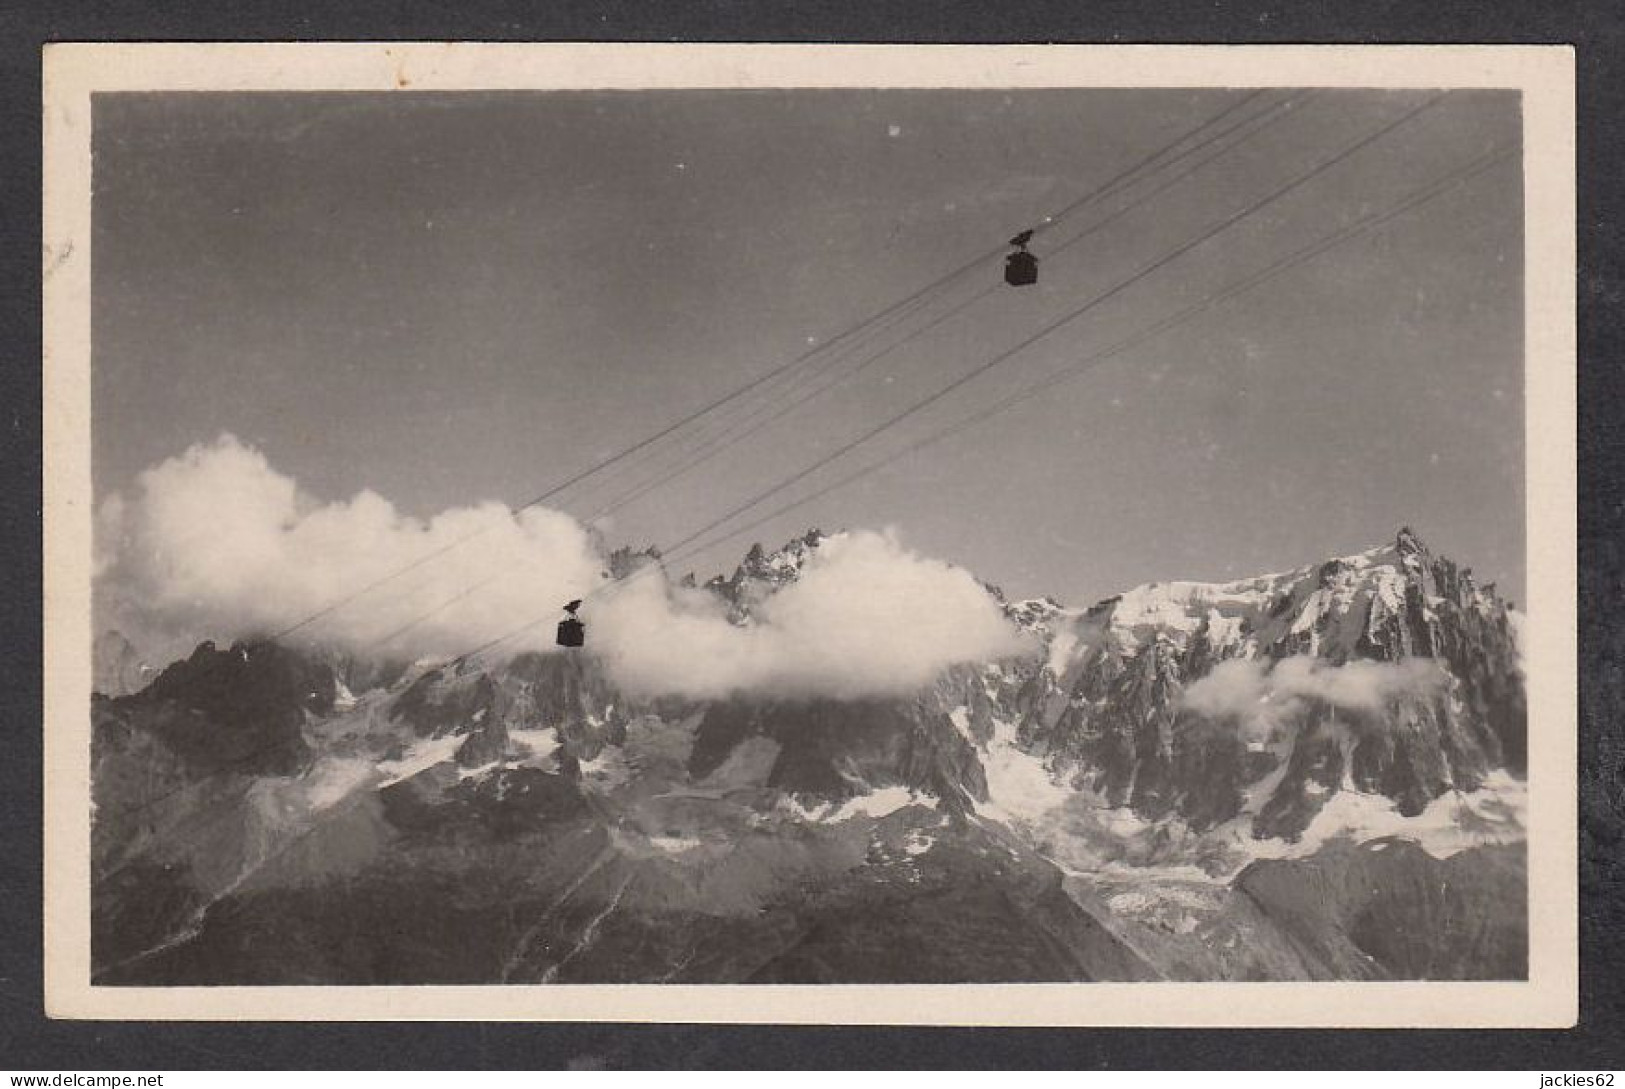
x=1260, y=695
x=866, y=616
x=217, y=543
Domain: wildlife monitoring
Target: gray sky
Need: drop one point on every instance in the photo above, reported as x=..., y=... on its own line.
x=448, y=298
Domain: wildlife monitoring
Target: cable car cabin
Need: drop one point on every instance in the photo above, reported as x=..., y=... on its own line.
x=1020, y=269
x=572, y=632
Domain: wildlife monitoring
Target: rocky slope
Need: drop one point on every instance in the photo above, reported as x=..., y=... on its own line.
x=1118, y=808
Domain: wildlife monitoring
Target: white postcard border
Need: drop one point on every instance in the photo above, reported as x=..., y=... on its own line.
x=1544, y=74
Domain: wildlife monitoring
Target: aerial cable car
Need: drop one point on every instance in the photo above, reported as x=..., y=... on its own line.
x=1021, y=267
x=572, y=632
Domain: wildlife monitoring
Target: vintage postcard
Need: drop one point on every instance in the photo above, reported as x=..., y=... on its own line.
x=837, y=534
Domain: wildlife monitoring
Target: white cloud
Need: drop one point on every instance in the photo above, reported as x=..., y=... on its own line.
x=1260, y=694
x=217, y=543
x=866, y=616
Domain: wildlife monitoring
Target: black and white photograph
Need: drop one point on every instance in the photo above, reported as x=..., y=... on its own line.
x=536, y=537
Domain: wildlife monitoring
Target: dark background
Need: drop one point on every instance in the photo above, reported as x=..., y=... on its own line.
x=30, y=1042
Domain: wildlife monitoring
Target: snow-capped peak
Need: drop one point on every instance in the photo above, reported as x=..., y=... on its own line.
x=1337, y=608
x=763, y=573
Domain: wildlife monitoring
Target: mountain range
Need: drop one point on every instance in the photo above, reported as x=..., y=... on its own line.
x=1310, y=775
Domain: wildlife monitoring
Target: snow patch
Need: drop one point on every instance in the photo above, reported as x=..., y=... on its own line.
x=331, y=781
x=1019, y=786
x=420, y=757
x=343, y=698
x=536, y=744
x=676, y=845
x=606, y=771
x=1131, y=903
x=875, y=804
x=1451, y=823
